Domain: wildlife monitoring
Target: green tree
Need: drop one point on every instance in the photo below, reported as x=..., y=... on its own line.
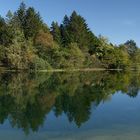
x=64, y=31
x=6, y=35
x=78, y=31
x=21, y=13
x=131, y=47
x=56, y=32
x=33, y=23
x=136, y=60
x=76, y=57
x=75, y=29
x=116, y=58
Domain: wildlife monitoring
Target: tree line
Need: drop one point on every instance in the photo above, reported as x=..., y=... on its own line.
x=26, y=42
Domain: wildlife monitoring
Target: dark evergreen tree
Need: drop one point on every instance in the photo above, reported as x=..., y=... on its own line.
x=33, y=23
x=64, y=27
x=56, y=32
x=93, y=43
x=75, y=29
x=5, y=33
x=78, y=30
x=21, y=12
x=131, y=47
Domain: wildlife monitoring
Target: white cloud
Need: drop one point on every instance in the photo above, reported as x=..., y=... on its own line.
x=128, y=22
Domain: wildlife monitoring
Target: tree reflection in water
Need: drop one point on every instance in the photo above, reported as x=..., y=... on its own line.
x=26, y=99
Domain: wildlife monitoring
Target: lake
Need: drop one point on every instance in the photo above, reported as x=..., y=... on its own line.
x=70, y=106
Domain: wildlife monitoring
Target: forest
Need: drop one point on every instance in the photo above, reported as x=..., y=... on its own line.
x=28, y=43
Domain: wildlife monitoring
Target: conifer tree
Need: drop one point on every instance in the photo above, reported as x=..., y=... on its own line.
x=33, y=23
x=64, y=27
x=56, y=32
x=21, y=12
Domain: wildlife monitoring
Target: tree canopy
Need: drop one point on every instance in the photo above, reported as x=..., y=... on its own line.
x=26, y=42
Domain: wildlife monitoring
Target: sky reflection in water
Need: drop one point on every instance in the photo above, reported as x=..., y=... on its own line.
x=70, y=106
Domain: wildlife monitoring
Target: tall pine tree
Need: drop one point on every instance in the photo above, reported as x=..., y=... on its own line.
x=56, y=32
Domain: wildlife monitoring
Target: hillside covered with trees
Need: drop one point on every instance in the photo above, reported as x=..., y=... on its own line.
x=26, y=43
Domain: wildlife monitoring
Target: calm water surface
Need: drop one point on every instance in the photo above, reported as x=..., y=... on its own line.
x=70, y=106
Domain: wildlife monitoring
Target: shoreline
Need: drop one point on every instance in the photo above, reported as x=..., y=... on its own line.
x=63, y=70
x=66, y=70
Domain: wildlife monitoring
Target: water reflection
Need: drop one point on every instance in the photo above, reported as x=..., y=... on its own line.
x=26, y=99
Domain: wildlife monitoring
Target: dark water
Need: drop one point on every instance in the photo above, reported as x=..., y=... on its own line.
x=70, y=106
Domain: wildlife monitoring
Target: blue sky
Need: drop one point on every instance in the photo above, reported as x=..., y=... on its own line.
x=119, y=20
